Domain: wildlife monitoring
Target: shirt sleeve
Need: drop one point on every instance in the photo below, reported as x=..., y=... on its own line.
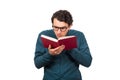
x=42, y=56
x=82, y=54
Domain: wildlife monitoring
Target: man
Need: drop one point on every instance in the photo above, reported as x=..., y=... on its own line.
x=60, y=64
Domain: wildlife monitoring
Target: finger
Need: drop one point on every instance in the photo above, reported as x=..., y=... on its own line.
x=49, y=47
x=57, y=48
x=56, y=52
x=62, y=47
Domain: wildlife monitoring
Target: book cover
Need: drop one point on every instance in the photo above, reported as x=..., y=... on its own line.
x=70, y=42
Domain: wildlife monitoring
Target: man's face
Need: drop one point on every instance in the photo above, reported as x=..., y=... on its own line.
x=60, y=28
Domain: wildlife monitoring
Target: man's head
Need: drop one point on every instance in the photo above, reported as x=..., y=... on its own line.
x=61, y=22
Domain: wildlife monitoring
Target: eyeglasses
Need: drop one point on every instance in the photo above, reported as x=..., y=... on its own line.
x=62, y=29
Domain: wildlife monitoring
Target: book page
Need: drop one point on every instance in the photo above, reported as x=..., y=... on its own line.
x=65, y=37
x=49, y=38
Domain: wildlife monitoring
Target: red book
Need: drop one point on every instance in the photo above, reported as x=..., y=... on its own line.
x=70, y=42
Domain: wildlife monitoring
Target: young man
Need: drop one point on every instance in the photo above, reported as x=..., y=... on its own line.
x=60, y=64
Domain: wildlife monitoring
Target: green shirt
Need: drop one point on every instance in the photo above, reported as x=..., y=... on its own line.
x=64, y=66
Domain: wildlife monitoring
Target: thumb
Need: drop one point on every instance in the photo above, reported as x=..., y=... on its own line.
x=49, y=47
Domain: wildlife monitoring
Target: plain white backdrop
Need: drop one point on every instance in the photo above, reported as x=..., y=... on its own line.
x=22, y=20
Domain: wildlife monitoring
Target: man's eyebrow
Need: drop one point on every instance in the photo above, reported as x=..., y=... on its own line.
x=60, y=27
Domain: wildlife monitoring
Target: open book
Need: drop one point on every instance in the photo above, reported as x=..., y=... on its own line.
x=70, y=42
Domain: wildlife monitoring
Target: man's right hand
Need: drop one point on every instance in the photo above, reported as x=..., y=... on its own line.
x=56, y=51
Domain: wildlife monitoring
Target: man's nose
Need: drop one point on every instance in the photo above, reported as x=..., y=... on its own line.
x=59, y=31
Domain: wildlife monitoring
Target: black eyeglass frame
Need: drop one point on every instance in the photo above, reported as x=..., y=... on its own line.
x=62, y=29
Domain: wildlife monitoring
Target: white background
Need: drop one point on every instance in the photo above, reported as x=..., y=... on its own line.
x=22, y=20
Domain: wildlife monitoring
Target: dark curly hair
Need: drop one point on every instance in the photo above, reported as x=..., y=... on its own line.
x=63, y=15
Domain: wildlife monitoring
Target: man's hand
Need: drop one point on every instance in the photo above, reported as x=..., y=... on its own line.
x=56, y=51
